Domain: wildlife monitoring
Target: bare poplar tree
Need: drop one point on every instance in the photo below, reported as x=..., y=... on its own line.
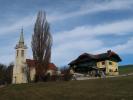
x=41, y=44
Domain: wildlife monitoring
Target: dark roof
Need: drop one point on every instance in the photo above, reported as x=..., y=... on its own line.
x=109, y=55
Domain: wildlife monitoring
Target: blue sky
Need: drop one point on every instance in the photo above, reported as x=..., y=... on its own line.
x=77, y=26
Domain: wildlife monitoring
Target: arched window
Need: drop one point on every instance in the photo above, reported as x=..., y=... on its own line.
x=22, y=53
x=17, y=52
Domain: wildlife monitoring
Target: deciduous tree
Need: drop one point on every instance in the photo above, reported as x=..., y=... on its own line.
x=41, y=44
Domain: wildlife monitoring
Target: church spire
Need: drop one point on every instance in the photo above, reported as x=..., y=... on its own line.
x=21, y=40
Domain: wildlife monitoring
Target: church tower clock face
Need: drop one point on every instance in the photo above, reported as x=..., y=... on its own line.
x=19, y=69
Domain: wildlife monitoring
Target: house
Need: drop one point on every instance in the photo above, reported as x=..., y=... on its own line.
x=24, y=69
x=52, y=69
x=31, y=65
x=104, y=63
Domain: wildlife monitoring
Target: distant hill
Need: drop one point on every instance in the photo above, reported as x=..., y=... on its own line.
x=126, y=65
x=125, y=69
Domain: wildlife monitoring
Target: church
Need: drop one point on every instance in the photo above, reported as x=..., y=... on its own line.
x=24, y=69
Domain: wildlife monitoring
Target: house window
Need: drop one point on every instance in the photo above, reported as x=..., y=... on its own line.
x=103, y=63
x=110, y=63
x=22, y=53
x=116, y=70
x=110, y=70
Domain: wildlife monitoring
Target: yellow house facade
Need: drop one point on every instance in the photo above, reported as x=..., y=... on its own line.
x=111, y=67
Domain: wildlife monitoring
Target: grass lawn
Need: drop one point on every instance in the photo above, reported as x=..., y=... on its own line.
x=126, y=69
x=120, y=88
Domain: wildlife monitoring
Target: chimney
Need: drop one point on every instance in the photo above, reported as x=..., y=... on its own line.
x=109, y=51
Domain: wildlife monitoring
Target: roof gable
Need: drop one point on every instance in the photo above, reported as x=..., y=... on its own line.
x=109, y=55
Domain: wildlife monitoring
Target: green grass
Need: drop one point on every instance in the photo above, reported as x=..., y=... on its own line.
x=126, y=69
x=120, y=88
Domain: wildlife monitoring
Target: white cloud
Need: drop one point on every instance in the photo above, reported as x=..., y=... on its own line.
x=91, y=8
x=24, y=22
x=65, y=52
x=70, y=44
x=115, y=28
x=86, y=8
x=124, y=48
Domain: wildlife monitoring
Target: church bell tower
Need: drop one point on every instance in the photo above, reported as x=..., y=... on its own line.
x=20, y=69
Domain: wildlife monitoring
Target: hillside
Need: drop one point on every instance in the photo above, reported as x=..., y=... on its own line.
x=125, y=69
x=100, y=89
